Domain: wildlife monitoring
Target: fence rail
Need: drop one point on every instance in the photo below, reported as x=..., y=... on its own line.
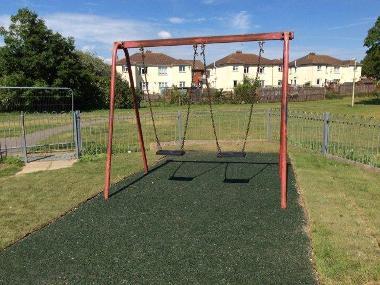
x=352, y=138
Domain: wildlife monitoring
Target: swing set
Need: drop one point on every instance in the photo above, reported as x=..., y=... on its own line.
x=197, y=42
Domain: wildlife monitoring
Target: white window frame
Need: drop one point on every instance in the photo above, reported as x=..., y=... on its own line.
x=246, y=69
x=336, y=69
x=279, y=82
x=162, y=70
x=262, y=83
x=144, y=85
x=318, y=81
x=124, y=68
x=235, y=68
x=162, y=85
x=143, y=70
x=279, y=68
x=182, y=68
x=319, y=67
x=235, y=81
x=261, y=69
x=182, y=84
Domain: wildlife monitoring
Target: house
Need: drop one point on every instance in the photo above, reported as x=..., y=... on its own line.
x=321, y=70
x=162, y=71
x=229, y=71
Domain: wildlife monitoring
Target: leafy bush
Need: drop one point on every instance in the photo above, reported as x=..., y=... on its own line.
x=245, y=92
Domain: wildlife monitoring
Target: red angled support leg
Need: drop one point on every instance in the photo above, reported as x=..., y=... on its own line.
x=283, y=129
x=110, y=124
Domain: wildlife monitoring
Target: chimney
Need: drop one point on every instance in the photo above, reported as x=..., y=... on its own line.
x=239, y=51
x=148, y=51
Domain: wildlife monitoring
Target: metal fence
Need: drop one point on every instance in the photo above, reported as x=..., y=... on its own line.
x=39, y=135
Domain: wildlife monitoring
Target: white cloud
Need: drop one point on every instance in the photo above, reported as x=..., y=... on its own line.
x=164, y=34
x=5, y=20
x=208, y=2
x=241, y=21
x=354, y=24
x=176, y=20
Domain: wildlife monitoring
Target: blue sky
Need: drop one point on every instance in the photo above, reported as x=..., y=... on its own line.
x=333, y=27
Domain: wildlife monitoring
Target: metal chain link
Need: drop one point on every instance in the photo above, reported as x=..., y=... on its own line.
x=203, y=47
x=261, y=47
x=149, y=100
x=195, y=53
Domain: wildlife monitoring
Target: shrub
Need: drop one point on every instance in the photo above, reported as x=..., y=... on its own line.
x=245, y=92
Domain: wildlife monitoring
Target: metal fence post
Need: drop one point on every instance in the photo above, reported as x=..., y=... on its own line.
x=23, y=137
x=77, y=134
x=269, y=124
x=179, y=123
x=326, y=129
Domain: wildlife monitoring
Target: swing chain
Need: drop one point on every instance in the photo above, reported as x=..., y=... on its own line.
x=203, y=53
x=256, y=83
x=149, y=99
x=195, y=53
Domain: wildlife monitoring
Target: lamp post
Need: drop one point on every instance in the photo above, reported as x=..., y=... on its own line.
x=353, y=85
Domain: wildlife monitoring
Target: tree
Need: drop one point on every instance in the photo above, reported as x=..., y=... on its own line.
x=100, y=73
x=371, y=62
x=247, y=90
x=34, y=55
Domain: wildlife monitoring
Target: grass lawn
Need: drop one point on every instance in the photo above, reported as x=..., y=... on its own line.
x=343, y=203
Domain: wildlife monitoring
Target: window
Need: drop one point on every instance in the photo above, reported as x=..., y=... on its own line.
x=143, y=70
x=295, y=81
x=261, y=69
x=319, y=67
x=235, y=68
x=162, y=85
x=182, y=84
x=336, y=69
x=144, y=86
x=235, y=83
x=246, y=69
x=162, y=70
x=182, y=68
x=279, y=83
x=318, y=81
x=124, y=68
x=280, y=68
x=262, y=82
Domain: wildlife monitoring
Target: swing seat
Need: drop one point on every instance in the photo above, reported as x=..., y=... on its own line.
x=231, y=154
x=236, y=180
x=170, y=152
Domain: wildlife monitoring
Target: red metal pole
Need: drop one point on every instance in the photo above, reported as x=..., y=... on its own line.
x=110, y=124
x=283, y=130
x=137, y=113
x=206, y=40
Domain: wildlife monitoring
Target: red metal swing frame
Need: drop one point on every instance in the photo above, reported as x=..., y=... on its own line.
x=284, y=36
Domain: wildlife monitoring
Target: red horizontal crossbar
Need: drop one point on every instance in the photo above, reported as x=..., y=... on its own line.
x=204, y=40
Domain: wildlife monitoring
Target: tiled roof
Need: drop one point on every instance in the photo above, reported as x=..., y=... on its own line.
x=240, y=58
x=159, y=59
x=320, y=59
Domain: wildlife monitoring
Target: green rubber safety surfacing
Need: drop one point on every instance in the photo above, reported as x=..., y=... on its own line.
x=156, y=230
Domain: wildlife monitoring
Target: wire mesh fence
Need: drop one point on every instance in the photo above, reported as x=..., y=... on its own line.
x=353, y=138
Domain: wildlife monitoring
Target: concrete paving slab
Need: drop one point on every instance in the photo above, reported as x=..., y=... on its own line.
x=46, y=165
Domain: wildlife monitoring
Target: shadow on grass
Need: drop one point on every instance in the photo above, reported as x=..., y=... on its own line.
x=371, y=101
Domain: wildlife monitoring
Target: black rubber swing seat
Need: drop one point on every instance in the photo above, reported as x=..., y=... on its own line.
x=170, y=152
x=231, y=154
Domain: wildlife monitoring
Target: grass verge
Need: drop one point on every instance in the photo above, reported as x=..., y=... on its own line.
x=343, y=203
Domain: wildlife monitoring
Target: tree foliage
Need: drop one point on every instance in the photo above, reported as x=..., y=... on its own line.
x=246, y=91
x=371, y=62
x=34, y=55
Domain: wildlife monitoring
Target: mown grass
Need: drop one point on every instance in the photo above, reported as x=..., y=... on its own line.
x=343, y=203
x=9, y=166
